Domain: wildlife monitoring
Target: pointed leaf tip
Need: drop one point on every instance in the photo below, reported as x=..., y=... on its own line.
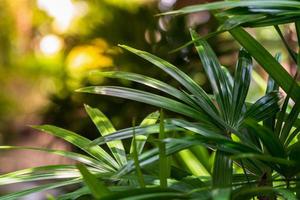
x=85, y=89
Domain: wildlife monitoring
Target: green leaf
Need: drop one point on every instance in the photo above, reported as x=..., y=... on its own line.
x=280, y=18
x=274, y=4
x=82, y=143
x=266, y=60
x=199, y=128
x=238, y=20
x=222, y=172
x=74, y=195
x=228, y=79
x=264, y=107
x=174, y=145
x=135, y=156
x=192, y=163
x=216, y=75
x=272, y=86
x=141, y=139
x=74, y=156
x=297, y=26
x=268, y=139
x=242, y=80
x=105, y=127
x=292, y=136
x=270, y=159
x=97, y=188
x=223, y=144
x=282, y=114
x=203, y=155
x=293, y=155
x=221, y=194
x=163, y=160
x=148, y=81
x=249, y=192
x=40, y=173
x=287, y=46
x=204, y=101
x=290, y=121
x=22, y=193
x=147, y=193
x=128, y=133
x=147, y=98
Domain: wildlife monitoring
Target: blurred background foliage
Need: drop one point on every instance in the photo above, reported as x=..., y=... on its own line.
x=47, y=48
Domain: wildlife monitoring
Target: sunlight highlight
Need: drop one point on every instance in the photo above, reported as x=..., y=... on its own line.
x=50, y=44
x=88, y=57
x=63, y=12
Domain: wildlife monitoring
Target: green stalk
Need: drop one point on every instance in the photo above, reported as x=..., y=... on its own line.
x=136, y=159
x=297, y=25
x=222, y=173
x=291, y=52
x=163, y=162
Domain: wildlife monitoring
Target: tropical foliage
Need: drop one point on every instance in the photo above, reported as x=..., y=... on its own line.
x=200, y=145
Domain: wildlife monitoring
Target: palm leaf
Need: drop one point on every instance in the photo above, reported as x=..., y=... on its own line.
x=97, y=188
x=264, y=108
x=40, y=173
x=22, y=193
x=268, y=139
x=272, y=86
x=163, y=159
x=274, y=4
x=215, y=73
x=222, y=171
x=266, y=60
x=135, y=156
x=147, y=98
x=74, y=156
x=105, y=127
x=204, y=100
x=141, y=139
x=249, y=192
x=151, y=82
x=193, y=163
x=242, y=80
x=290, y=121
x=138, y=130
x=75, y=194
x=147, y=193
x=81, y=142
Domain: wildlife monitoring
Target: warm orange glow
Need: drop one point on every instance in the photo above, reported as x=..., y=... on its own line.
x=89, y=57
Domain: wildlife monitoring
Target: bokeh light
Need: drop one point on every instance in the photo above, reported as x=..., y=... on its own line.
x=88, y=57
x=63, y=12
x=50, y=44
x=166, y=4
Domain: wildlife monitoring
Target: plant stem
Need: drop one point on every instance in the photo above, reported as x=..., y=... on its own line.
x=136, y=160
x=163, y=162
x=291, y=52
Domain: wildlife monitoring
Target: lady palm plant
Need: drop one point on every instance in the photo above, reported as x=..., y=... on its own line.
x=224, y=123
x=209, y=121
x=255, y=144
x=97, y=159
x=233, y=15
